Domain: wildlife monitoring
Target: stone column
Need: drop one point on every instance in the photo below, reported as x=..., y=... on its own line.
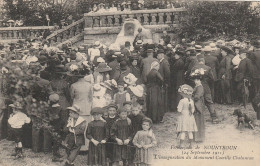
x=161, y=21
x=153, y=21
x=168, y=18
x=88, y=22
x=117, y=23
x=103, y=21
x=96, y=21
x=146, y=19
x=139, y=17
x=123, y=18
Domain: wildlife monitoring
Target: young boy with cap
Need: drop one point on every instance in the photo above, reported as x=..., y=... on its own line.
x=56, y=126
x=17, y=119
x=112, y=117
x=98, y=134
x=76, y=126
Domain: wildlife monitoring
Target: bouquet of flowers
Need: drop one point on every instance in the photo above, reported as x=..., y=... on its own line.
x=198, y=73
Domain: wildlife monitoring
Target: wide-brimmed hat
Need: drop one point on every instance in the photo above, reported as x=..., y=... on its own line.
x=102, y=67
x=137, y=90
x=127, y=102
x=139, y=42
x=100, y=60
x=207, y=49
x=97, y=110
x=74, y=108
x=160, y=51
x=130, y=79
x=198, y=47
x=185, y=90
x=149, y=51
x=227, y=49
x=16, y=105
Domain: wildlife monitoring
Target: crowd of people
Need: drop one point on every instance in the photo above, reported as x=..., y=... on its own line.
x=133, y=5
x=106, y=100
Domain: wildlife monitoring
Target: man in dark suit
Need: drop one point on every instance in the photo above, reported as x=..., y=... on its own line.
x=208, y=78
x=244, y=73
x=255, y=58
x=146, y=64
x=164, y=70
x=166, y=38
x=213, y=62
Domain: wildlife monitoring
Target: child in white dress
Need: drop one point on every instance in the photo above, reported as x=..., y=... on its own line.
x=186, y=122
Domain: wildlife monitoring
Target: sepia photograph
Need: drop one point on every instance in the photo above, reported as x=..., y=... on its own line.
x=129, y=83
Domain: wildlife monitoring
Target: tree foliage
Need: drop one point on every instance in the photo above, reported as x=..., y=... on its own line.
x=33, y=12
x=206, y=20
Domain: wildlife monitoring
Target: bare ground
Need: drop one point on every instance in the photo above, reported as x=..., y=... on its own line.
x=225, y=133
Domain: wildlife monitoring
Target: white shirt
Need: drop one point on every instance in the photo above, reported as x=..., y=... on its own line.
x=18, y=120
x=236, y=60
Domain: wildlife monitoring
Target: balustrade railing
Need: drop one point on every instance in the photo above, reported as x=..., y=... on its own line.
x=70, y=31
x=9, y=33
x=145, y=17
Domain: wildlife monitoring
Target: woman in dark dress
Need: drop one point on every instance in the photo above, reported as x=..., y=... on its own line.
x=155, y=103
x=198, y=96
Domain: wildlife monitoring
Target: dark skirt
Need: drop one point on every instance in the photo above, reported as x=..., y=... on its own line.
x=199, y=136
x=155, y=103
x=27, y=135
x=121, y=152
x=97, y=154
x=37, y=139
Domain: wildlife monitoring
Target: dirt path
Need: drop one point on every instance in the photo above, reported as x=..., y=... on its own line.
x=246, y=142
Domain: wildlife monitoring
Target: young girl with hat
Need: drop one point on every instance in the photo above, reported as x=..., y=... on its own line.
x=98, y=134
x=17, y=119
x=144, y=140
x=121, y=132
x=186, y=121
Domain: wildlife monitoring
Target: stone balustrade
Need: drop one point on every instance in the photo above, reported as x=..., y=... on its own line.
x=145, y=17
x=18, y=33
x=73, y=30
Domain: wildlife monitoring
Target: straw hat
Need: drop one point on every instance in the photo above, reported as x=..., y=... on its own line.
x=207, y=49
x=130, y=79
x=54, y=97
x=137, y=90
x=106, y=84
x=74, y=108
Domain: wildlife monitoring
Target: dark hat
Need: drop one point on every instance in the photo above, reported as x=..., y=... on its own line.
x=179, y=53
x=123, y=65
x=257, y=44
x=121, y=110
x=112, y=105
x=160, y=51
x=127, y=102
x=149, y=51
x=200, y=56
x=127, y=44
x=227, y=49
x=103, y=67
x=59, y=69
x=120, y=83
x=243, y=51
x=97, y=110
